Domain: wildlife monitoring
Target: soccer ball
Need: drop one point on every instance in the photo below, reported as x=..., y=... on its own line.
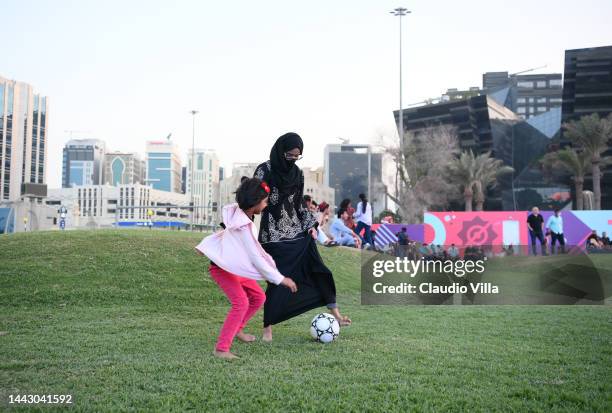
x=324, y=328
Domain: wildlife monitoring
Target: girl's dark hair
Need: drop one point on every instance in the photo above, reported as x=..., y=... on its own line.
x=250, y=192
x=341, y=211
x=364, y=203
x=345, y=203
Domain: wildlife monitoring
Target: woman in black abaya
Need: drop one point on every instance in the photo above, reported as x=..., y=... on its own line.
x=288, y=231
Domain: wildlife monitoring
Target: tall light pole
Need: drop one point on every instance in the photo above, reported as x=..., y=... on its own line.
x=400, y=12
x=193, y=113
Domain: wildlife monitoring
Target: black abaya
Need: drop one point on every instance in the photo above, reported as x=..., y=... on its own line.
x=298, y=259
x=284, y=235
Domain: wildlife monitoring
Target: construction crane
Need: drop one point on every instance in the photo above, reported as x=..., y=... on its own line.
x=425, y=102
x=528, y=70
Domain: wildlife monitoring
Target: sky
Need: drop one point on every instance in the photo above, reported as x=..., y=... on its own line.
x=131, y=71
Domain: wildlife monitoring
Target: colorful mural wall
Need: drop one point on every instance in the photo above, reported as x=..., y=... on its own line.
x=493, y=227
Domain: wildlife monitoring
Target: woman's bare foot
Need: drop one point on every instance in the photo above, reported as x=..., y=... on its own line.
x=267, y=334
x=227, y=355
x=245, y=338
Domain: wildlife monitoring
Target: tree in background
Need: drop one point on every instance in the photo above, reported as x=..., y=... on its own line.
x=592, y=135
x=421, y=160
x=474, y=174
x=574, y=163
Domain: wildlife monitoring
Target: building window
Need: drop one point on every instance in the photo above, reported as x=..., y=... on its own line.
x=541, y=108
x=556, y=100
x=521, y=109
x=555, y=82
x=541, y=83
x=117, y=167
x=525, y=84
x=200, y=162
x=520, y=100
x=530, y=100
x=541, y=100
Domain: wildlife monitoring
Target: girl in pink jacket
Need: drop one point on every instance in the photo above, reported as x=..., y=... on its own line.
x=238, y=261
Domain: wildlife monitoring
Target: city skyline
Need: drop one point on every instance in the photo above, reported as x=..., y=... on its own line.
x=325, y=72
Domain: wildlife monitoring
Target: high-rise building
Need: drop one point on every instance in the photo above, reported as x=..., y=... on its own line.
x=123, y=168
x=526, y=95
x=203, y=184
x=163, y=166
x=83, y=162
x=23, y=140
x=346, y=172
x=229, y=184
x=587, y=86
x=587, y=89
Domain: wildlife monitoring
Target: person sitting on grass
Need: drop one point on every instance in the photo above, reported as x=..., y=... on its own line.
x=342, y=234
x=453, y=252
x=605, y=240
x=322, y=214
x=594, y=242
x=425, y=251
x=237, y=260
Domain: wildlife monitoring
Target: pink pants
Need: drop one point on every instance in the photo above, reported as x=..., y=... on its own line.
x=246, y=297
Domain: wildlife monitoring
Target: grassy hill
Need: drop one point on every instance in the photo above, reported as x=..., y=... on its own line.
x=127, y=320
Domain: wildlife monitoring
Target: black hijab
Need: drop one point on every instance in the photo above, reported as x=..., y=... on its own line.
x=285, y=174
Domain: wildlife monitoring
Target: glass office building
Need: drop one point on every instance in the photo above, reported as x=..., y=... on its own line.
x=483, y=125
x=525, y=95
x=83, y=162
x=346, y=172
x=587, y=89
x=163, y=166
x=23, y=138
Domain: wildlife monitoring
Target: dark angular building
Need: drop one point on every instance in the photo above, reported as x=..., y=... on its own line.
x=483, y=124
x=587, y=89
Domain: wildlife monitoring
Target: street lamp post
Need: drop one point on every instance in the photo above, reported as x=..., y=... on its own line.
x=193, y=113
x=400, y=12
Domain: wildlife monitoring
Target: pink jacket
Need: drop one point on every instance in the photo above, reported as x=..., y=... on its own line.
x=236, y=249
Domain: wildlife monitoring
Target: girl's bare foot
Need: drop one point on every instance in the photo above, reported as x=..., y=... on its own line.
x=227, y=355
x=267, y=334
x=245, y=338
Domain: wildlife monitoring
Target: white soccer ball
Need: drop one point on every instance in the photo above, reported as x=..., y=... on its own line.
x=324, y=328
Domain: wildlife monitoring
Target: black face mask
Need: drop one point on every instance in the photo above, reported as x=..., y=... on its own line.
x=290, y=162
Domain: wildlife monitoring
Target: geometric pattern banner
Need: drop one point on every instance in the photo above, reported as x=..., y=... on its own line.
x=507, y=227
x=492, y=228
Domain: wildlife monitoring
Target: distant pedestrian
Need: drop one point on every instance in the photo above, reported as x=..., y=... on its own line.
x=535, y=223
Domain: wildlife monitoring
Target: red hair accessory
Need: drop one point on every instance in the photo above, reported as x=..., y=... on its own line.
x=265, y=187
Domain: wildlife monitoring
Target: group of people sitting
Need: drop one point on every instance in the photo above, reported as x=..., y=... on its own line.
x=595, y=243
x=350, y=227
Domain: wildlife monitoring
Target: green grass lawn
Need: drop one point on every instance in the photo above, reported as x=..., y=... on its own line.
x=126, y=321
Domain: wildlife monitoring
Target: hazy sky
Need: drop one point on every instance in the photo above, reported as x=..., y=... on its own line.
x=129, y=71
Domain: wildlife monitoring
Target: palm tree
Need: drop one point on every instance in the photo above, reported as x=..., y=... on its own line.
x=489, y=169
x=475, y=173
x=592, y=134
x=575, y=163
x=463, y=171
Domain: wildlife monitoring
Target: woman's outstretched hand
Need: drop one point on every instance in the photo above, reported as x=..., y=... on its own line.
x=289, y=283
x=313, y=233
